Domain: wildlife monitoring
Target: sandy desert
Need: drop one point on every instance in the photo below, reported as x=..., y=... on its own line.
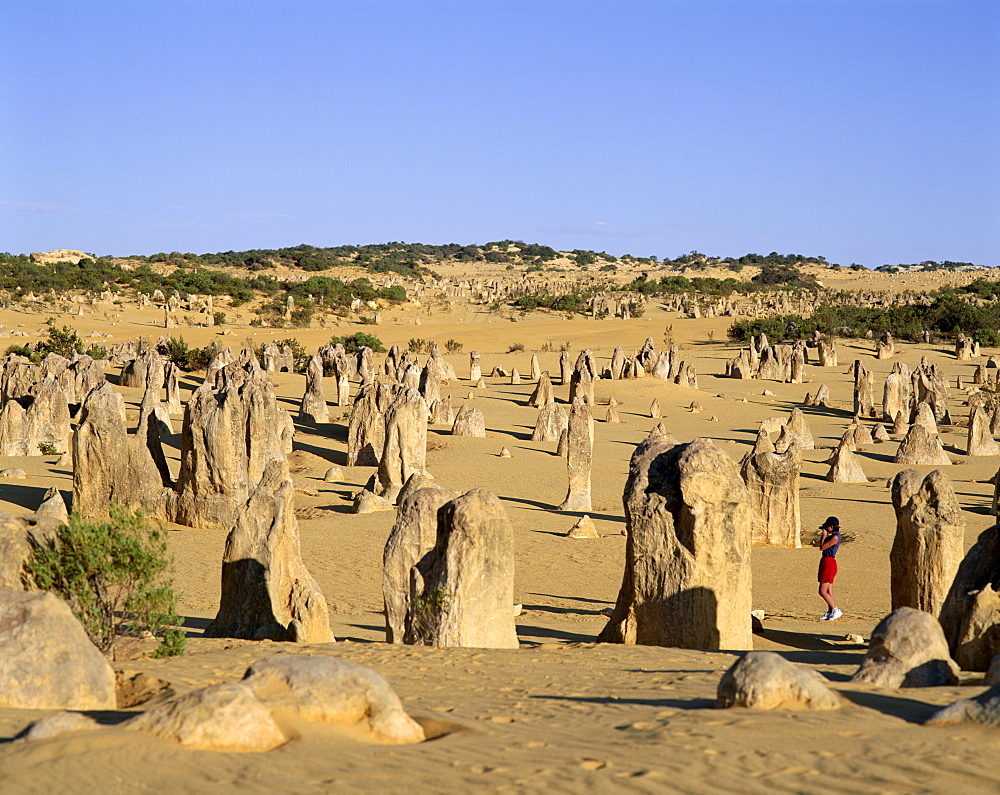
x=561, y=713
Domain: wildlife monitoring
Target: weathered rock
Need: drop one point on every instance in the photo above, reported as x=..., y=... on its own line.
x=562, y=445
x=331, y=690
x=579, y=457
x=442, y=412
x=53, y=507
x=896, y=392
x=469, y=422
x=46, y=659
x=366, y=428
x=233, y=426
x=267, y=592
x=223, y=717
x=908, y=649
x=798, y=425
x=584, y=528
x=921, y=447
x=109, y=465
x=463, y=588
x=333, y=475
x=369, y=502
x=845, y=467
x=53, y=725
x=929, y=542
x=405, y=448
x=552, y=421
x=543, y=392
x=654, y=409
x=971, y=612
x=412, y=536
x=687, y=557
x=414, y=483
x=864, y=391
x=772, y=481
x=983, y=709
x=611, y=416
x=979, y=440
x=313, y=409
x=766, y=680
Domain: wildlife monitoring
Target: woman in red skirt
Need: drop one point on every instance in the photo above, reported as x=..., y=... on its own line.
x=829, y=543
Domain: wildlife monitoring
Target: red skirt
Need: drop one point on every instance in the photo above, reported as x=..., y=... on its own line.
x=827, y=569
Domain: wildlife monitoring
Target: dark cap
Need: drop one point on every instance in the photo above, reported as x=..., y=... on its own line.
x=831, y=521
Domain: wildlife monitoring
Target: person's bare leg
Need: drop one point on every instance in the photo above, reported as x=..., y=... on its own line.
x=826, y=593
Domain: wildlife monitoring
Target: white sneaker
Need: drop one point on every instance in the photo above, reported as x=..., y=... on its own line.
x=825, y=616
x=834, y=614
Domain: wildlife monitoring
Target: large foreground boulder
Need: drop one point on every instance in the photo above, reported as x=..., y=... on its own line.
x=46, y=659
x=331, y=690
x=766, y=680
x=908, y=649
x=687, y=557
x=223, y=717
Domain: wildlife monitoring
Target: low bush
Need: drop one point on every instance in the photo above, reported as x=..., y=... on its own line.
x=113, y=576
x=355, y=342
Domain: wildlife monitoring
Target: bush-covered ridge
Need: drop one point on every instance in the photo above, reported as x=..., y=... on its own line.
x=949, y=313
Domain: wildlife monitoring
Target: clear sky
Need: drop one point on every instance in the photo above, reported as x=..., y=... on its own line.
x=861, y=131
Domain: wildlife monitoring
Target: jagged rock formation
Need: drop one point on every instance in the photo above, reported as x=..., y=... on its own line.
x=109, y=465
x=980, y=441
x=313, y=409
x=687, y=578
x=845, y=467
x=929, y=540
x=412, y=536
x=233, y=425
x=405, y=448
x=920, y=447
x=463, y=589
x=543, y=392
x=971, y=612
x=552, y=421
x=772, y=481
x=579, y=457
x=366, y=427
x=267, y=592
x=469, y=422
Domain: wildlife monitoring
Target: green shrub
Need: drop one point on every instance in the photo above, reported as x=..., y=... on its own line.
x=96, y=351
x=186, y=357
x=219, y=318
x=47, y=448
x=453, y=346
x=62, y=341
x=355, y=342
x=416, y=345
x=112, y=575
x=517, y=346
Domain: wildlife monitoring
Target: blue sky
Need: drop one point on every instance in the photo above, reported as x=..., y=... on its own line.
x=862, y=131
